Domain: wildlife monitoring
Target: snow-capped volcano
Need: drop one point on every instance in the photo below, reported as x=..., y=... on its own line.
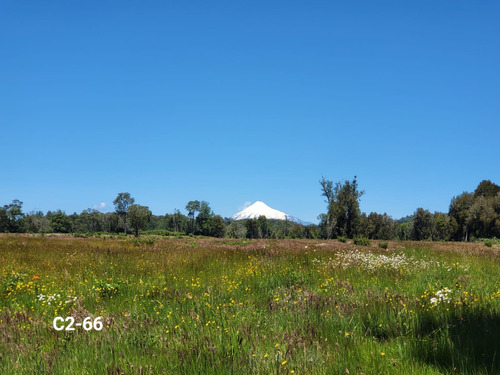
x=261, y=209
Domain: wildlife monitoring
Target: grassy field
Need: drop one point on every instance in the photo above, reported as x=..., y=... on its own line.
x=207, y=306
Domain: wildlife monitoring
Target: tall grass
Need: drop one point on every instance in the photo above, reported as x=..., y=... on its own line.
x=192, y=306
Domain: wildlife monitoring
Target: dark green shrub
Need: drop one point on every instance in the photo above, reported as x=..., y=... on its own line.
x=342, y=239
x=362, y=241
x=383, y=245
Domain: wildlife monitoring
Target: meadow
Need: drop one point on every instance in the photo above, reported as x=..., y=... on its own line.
x=221, y=306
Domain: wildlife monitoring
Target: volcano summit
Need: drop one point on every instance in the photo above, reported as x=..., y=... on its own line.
x=261, y=209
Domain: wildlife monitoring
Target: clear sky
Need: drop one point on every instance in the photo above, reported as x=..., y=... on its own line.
x=236, y=101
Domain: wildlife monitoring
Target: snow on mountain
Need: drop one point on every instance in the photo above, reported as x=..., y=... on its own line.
x=261, y=209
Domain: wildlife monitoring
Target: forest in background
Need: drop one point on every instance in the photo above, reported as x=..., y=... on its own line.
x=471, y=215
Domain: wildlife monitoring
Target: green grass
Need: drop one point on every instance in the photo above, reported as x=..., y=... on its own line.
x=206, y=306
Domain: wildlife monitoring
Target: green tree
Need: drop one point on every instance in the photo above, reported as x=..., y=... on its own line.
x=11, y=217
x=263, y=226
x=328, y=221
x=460, y=212
x=37, y=222
x=122, y=203
x=486, y=188
x=139, y=217
x=192, y=207
x=483, y=217
x=4, y=220
x=90, y=220
x=380, y=227
x=203, y=219
x=343, y=206
x=404, y=230
x=60, y=222
x=236, y=229
x=176, y=222
x=252, y=226
x=217, y=226
x=442, y=227
x=423, y=225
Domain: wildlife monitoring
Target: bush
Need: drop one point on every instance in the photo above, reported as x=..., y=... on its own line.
x=488, y=243
x=362, y=241
x=342, y=239
x=383, y=245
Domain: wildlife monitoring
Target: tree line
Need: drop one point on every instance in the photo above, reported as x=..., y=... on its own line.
x=470, y=215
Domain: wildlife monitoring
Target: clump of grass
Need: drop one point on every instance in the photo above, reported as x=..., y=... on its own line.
x=342, y=239
x=383, y=245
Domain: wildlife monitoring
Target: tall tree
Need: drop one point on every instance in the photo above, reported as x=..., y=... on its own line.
x=203, y=218
x=217, y=226
x=442, y=227
x=252, y=226
x=11, y=217
x=423, y=225
x=60, y=222
x=327, y=222
x=263, y=226
x=460, y=212
x=380, y=227
x=139, y=217
x=122, y=203
x=486, y=188
x=192, y=207
x=343, y=206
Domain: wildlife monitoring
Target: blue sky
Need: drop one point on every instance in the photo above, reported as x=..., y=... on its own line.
x=240, y=101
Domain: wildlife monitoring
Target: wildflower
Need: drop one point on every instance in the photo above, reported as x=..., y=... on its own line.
x=283, y=363
x=382, y=353
x=36, y=277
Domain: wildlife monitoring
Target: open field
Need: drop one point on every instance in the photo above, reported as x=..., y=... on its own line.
x=203, y=306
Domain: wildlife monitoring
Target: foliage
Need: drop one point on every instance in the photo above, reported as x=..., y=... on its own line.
x=11, y=217
x=362, y=241
x=422, y=225
x=236, y=229
x=252, y=227
x=343, y=216
x=122, y=203
x=60, y=222
x=192, y=207
x=476, y=214
x=139, y=217
x=377, y=226
x=216, y=226
x=263, y=226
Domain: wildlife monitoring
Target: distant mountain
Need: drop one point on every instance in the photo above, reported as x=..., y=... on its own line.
x=261, y=209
